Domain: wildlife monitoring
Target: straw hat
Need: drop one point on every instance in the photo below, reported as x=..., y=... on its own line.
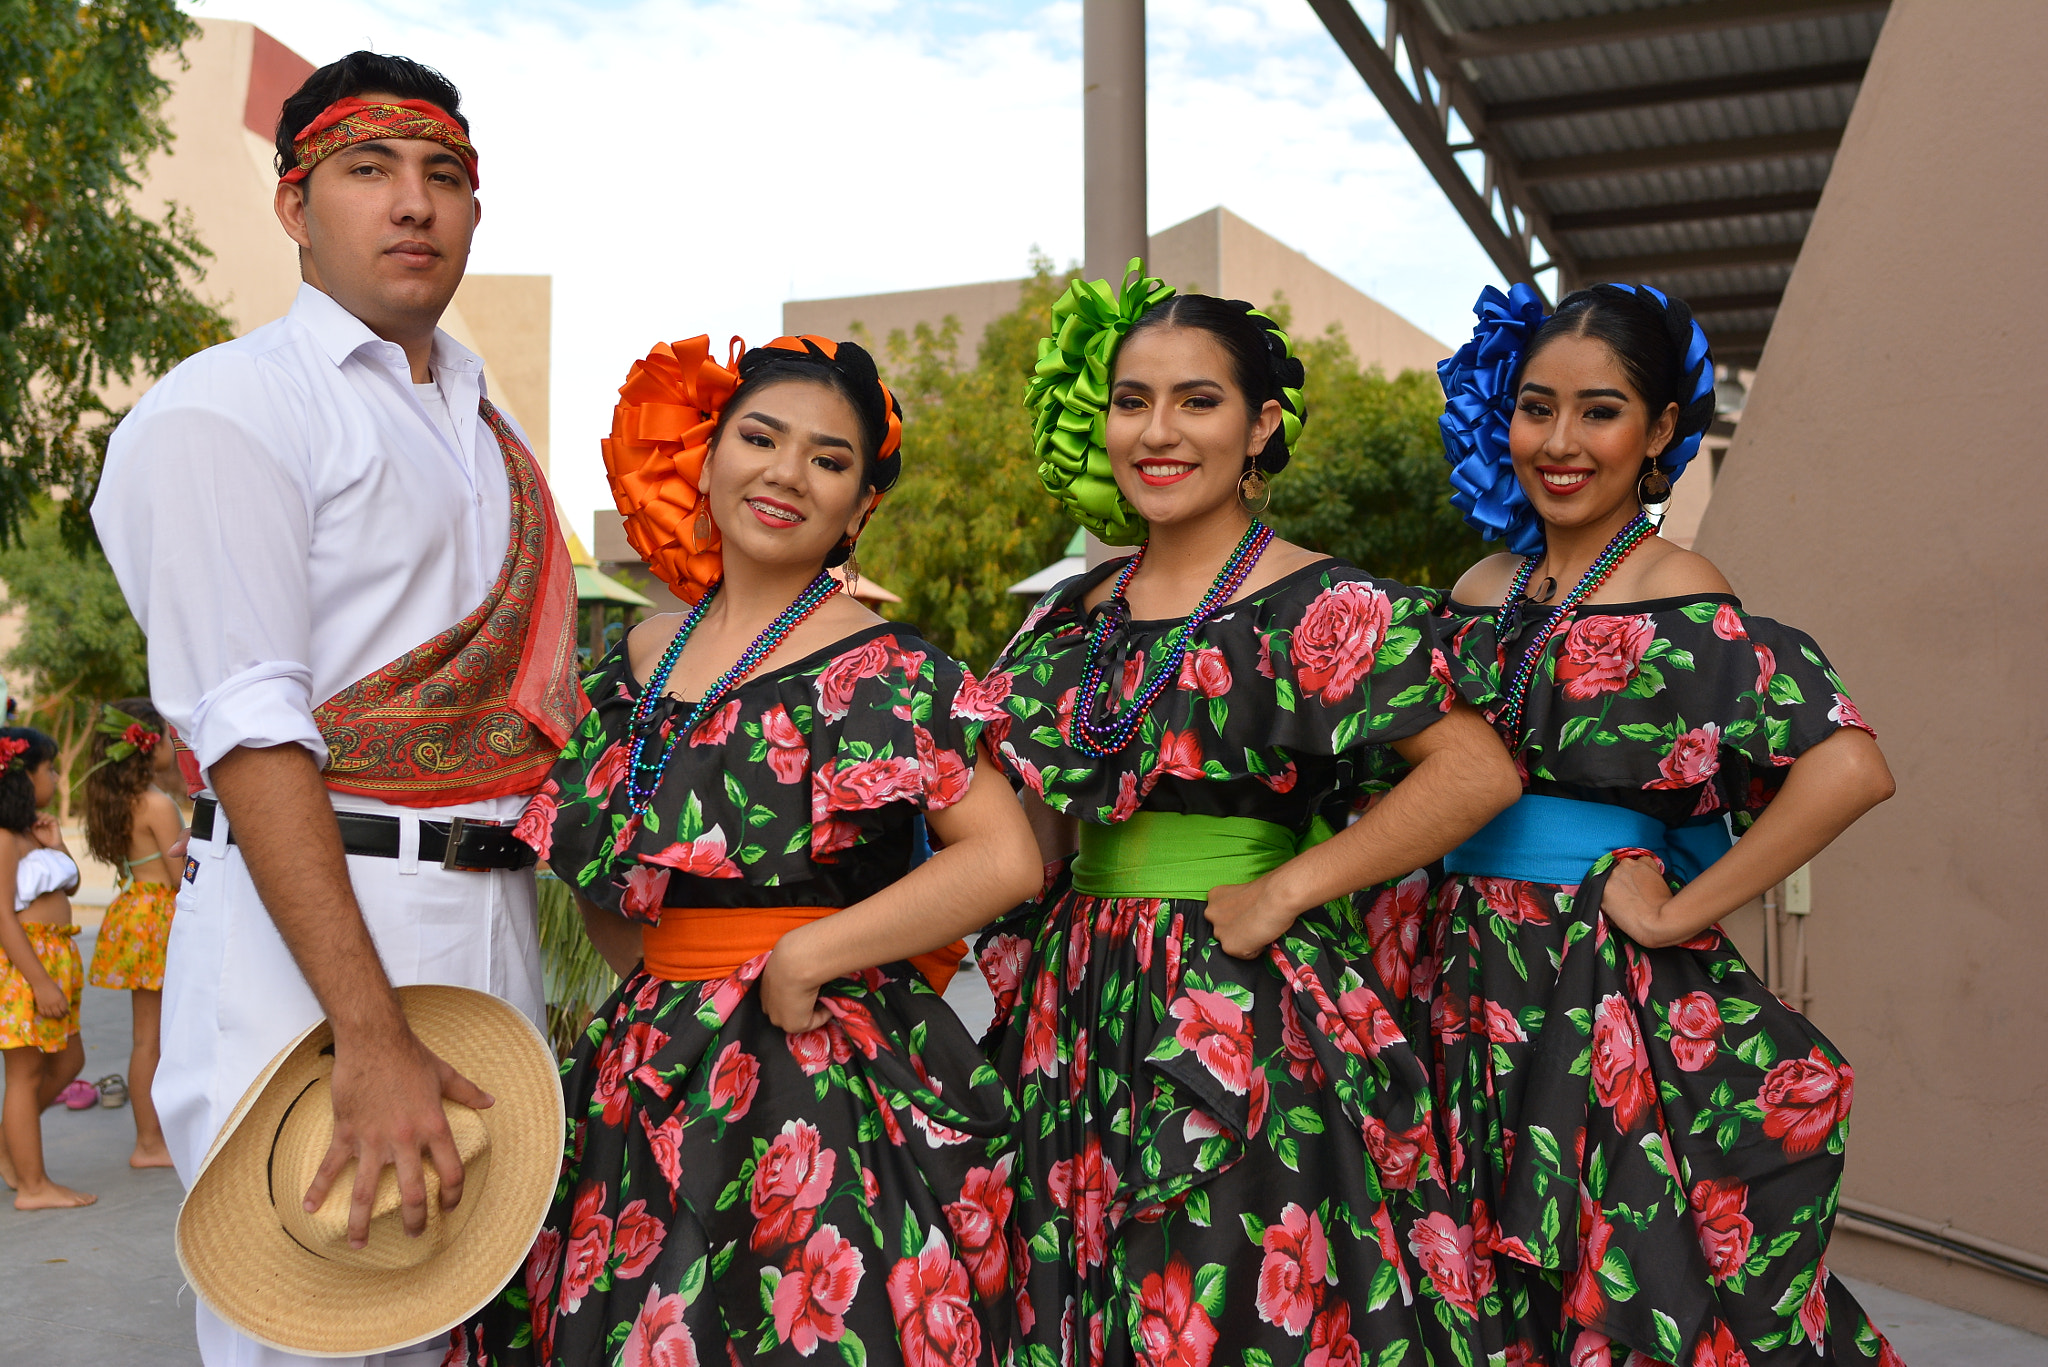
x=288, y=1279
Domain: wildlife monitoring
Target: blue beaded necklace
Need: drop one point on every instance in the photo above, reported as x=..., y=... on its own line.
x=642, y=777
x=1516, y=695
x=1094, y=730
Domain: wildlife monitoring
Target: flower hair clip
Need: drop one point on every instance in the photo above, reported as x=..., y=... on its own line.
x=11, y=751
x=133, y=737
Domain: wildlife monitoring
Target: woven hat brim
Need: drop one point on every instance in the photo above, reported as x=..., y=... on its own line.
x=254, y=1275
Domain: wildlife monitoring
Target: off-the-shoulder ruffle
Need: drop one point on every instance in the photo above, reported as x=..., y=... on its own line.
x=1286, y=699
x=786, y=785
x=1675, y=707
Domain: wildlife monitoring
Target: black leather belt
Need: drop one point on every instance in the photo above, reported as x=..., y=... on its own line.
x=459, y=843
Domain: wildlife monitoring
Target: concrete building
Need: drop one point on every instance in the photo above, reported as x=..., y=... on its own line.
x=222, y=111
x=1212, y=253
x=1881, y=474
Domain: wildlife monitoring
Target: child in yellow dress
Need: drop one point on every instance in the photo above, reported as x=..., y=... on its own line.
x=132, y=824
x=42, y=979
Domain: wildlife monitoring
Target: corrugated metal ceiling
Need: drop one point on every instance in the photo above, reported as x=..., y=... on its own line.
x=1681, y=142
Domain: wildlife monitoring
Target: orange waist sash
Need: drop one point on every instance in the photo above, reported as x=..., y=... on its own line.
x=702, y=944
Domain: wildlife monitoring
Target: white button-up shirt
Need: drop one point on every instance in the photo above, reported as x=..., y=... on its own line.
x=285, y=518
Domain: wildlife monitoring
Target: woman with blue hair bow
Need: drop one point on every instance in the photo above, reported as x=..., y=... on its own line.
x=1644, y=1142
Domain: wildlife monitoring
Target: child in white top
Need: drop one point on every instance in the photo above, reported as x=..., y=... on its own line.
x=42, y=978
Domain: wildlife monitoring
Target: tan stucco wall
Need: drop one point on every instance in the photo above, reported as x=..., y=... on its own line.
x=1881, y=493
x=221, y=172
x=1260, y=268
x=1213, y=253
x=975, y=306
x=509, y=318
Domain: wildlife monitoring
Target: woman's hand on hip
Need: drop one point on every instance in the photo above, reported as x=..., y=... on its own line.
x=1246, y=917
x=789, y=987
x=1635, y=899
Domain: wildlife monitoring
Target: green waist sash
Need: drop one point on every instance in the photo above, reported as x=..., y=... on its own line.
x=1179, y=854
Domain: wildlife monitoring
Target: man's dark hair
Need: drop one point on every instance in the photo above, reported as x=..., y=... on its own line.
x=357, y=74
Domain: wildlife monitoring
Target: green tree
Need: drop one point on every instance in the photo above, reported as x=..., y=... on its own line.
x=969, y=518
x=79, y=647
x=1369, y=481
x=93, y=290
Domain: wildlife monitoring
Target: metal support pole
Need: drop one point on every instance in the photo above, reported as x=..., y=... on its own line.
x=1113, y=135
x=1112, y=151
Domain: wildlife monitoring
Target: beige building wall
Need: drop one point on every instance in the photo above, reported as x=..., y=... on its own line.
x=1880, y=493
x=1212, y=253
x=222, y=108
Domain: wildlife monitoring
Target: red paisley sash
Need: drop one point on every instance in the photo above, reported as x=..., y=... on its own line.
x=484, y=709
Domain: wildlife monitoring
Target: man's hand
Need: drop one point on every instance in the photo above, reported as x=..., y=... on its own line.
x=1634, y=900
x=1244, y=919
x=789, y=989
x=387, y=1113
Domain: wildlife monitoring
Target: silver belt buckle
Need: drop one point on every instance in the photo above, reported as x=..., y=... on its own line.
x=457, y=827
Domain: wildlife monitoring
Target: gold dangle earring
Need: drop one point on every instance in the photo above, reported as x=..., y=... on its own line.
x=1253, y=491
x=852, y=570
x=703, y=529
x=1653, y=487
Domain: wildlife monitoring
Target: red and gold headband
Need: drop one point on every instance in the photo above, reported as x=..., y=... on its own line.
x=667, y=412
x=349, y=121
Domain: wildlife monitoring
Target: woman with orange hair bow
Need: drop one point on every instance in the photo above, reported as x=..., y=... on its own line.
x=782, y=1140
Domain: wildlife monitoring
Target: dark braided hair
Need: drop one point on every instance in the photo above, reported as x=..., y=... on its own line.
x=1262, y=358
x=1652, y=337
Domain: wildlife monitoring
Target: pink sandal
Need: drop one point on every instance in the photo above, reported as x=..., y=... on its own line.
x=80, y=1095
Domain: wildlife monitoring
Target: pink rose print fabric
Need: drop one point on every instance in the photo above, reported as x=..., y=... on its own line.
x=1649, y=1139
x=1221, y=1162
x=732, y=1195
x=804, y=789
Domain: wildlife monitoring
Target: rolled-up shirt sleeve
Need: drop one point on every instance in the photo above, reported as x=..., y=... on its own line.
x=207, y=521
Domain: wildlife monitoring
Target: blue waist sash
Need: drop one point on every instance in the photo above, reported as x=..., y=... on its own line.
x=1557, y=839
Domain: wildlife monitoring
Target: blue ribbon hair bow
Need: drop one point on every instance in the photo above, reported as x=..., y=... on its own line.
x=1479, y=401
x=1479, y=404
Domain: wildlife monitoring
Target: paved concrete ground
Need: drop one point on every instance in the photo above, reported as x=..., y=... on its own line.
x=101, y=1286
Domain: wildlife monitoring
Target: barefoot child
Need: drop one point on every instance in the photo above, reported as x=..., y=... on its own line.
x=133, y=825
x=42, y=979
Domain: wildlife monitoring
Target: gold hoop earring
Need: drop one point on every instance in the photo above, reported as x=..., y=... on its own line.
x=1653, y=487
x=1253, y=491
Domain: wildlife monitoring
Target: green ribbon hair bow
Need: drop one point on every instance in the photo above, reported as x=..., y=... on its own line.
x=1068, y=395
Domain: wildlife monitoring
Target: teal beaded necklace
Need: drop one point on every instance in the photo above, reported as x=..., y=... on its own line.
x=644, y=778
x=1516, y=695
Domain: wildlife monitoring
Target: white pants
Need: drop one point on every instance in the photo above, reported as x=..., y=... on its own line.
x=233, y=997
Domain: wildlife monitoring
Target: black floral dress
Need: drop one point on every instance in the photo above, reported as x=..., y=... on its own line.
x=731, y=1193
x=1645, y=1144
x=1221, y=1161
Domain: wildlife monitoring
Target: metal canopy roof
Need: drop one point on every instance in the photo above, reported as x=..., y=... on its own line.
x=1682, y=143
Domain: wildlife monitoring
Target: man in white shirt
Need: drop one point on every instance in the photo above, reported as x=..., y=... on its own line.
x=361, y=620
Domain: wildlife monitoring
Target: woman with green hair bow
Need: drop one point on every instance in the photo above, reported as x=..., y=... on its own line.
x=1226, y=1139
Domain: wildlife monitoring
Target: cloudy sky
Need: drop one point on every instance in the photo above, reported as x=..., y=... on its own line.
x=685, y=166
